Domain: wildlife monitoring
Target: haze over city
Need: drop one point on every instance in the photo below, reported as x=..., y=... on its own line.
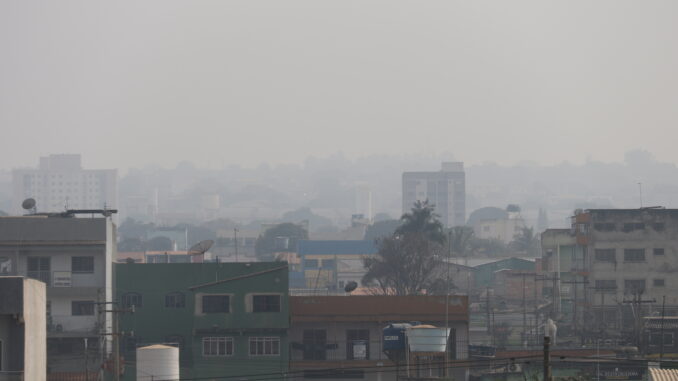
x=129, y=84
x=297, y=190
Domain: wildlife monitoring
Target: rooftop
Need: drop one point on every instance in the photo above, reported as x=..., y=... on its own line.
x=310, y=247
x=29, y=229
x=377, y=308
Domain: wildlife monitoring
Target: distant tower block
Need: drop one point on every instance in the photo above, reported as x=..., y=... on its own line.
x=446, y=189
x=363, y=201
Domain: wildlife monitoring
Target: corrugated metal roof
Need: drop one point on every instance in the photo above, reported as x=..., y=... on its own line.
x=376, y=308
x=657, y=374
x=52, y=229
x=309, y=247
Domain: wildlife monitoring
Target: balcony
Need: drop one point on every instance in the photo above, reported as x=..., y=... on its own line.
x=66, y=279
x=68, y=325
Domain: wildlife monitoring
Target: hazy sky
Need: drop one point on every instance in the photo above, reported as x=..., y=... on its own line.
x=128, y=83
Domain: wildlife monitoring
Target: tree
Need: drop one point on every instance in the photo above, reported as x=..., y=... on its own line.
x=159, y=243
x=131, y=244
x=265, y=244
x=461, y=240
x=306, y=214
x=3, y=213
x=422, y=219
x=526, y=242
x=381, y=229
x=406, y=264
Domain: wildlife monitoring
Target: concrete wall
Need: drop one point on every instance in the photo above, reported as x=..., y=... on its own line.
x=35, y=325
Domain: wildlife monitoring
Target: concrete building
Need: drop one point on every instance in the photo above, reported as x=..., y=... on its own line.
x=631, y=261
x=446, y=189
x=23, y=343
x=73, y=257
x=60, y=183
x=228, y=319
x=502, y=226
x=330, y=265
x=339, y=337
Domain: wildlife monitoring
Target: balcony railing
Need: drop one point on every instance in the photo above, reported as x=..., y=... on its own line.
x=45, y=276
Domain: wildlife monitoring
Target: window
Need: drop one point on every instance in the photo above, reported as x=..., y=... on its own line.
x=605, y=284
x=634, y=255
x=215, y=304
x=82, y=308
x=131, y=299
x=605, y=226
x=315, y=344
x=634, y=285
x=217, y=346
x=83, y=265
x=39, y=268
x=658, y=226
x=266, y=303
x=658, y=283
x=656, y=339
x=264, y=346
x=631, y=226
x=328, y=264
x=658, y=251
x=605, y=255
x=357, y=344
x=311, y=264
x=175, y=300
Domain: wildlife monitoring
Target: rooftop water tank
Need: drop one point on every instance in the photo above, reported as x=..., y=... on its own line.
x=427, y=338
x=157, y=363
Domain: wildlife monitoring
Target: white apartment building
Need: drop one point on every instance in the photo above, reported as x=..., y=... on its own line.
x=60, y=183
x=73, y=257
x=446, y=189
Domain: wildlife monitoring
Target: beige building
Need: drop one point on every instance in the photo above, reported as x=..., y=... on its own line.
x=23, y=342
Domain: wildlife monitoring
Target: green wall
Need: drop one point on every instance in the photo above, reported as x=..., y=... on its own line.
x=153, y=323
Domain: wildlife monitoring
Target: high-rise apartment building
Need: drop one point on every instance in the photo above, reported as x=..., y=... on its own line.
x=446, y=189
x=61, y=183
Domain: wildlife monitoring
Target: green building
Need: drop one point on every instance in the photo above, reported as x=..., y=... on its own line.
x=228, y=319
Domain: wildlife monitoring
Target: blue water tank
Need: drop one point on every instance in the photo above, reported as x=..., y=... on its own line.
x=394, y=336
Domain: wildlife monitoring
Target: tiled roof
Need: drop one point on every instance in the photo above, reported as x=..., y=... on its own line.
x=308, y=247
x=657, y=374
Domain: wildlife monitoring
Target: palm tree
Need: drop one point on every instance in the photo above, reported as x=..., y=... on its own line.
x=422, y=219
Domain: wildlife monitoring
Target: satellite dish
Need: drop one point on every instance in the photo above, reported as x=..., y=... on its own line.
x=201, y=247
x=350, y=286
x=28, y=204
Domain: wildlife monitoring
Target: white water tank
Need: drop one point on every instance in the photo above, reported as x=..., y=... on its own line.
x=157, y=363
x=427, y=338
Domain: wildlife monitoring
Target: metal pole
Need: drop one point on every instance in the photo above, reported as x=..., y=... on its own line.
x=597, y=359
x=661, y=331
x=524, y=315
x=86, y=360
x=547, y=359
x=235, y=242
x=447, y=299
x=116, y=344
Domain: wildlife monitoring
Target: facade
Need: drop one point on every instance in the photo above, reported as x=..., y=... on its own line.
x=60, y=183
x=502, y=229
x=331, y=265
x=339, y=337
x=563, y=279
x=73, y=257
x=23, y=341
x=631, y=261
x=657, y=327
x=228, y=319
x=446, y=189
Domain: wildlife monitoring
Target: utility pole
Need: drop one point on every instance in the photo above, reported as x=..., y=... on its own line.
x=575, y=314
x=661, y=331
x=116, y=336
x=636, y=304
x=86, y=360
x=447, y=300
x=524, y=312
x=235, y=242
x=547, y=359
x=489, y=322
